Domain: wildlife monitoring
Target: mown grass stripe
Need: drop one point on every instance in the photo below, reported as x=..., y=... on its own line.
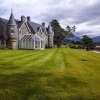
x=42, y=59
x=20, y=56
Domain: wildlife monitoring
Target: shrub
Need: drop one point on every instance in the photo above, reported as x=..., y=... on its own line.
x=75, y=46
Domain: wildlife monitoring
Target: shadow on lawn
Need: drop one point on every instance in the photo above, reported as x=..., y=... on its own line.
x=40, y=86
x=84, y=60
x=8, y=66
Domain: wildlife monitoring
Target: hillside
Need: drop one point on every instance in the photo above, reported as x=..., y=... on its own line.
x=72, y=38
x=96, y=39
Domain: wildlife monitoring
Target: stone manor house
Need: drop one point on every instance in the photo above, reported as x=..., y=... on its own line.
x=25, y=34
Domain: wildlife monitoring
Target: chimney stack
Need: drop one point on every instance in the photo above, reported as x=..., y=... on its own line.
x=43, y=24
x=23, y=18
x=28, y=18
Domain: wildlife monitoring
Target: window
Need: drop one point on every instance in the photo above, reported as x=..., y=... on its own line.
x=12, y=30
x=35, y=43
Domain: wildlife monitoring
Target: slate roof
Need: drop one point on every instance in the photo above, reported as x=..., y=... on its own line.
x=32, y=25
x=4, y=21
x=11, y=20
x=3, y=28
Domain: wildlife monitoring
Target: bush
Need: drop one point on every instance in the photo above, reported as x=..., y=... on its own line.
x=87, y=43
x=75, y=46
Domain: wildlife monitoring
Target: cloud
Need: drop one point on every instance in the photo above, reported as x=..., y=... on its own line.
x=84, y=14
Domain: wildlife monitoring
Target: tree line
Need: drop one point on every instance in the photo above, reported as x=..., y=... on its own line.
x=60, y=33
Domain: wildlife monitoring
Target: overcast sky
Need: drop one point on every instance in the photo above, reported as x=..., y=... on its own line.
x=85, y=14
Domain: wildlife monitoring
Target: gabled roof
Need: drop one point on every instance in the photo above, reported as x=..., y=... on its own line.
x=34, y=26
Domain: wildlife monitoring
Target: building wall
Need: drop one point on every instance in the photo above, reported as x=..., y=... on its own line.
x=14, y=35
x=29, y=40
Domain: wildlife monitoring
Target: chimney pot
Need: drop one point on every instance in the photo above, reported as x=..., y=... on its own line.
x=43, y=24
x=28, y=18
x=23, y=19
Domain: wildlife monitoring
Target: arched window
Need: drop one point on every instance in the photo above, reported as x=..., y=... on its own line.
x=36, y=44
x=41, y=44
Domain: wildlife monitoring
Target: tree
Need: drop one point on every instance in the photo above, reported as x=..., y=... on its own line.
x=73, y=29
x=70, y=30
x=59, y=33
x=87, y=43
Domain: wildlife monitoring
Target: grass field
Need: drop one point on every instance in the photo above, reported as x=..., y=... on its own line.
x=52, y=74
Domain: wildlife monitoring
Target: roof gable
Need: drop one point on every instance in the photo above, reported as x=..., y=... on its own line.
x=24, y=28
x=34, y=26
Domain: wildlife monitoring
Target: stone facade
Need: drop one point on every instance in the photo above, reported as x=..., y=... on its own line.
x=25, y=34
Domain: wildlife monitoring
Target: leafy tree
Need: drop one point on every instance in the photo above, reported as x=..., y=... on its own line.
x=73, y=29
x=87, y=43
x=59, y=33
x=70, y=30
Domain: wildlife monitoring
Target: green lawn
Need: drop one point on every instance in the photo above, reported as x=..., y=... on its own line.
x=52, y=74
